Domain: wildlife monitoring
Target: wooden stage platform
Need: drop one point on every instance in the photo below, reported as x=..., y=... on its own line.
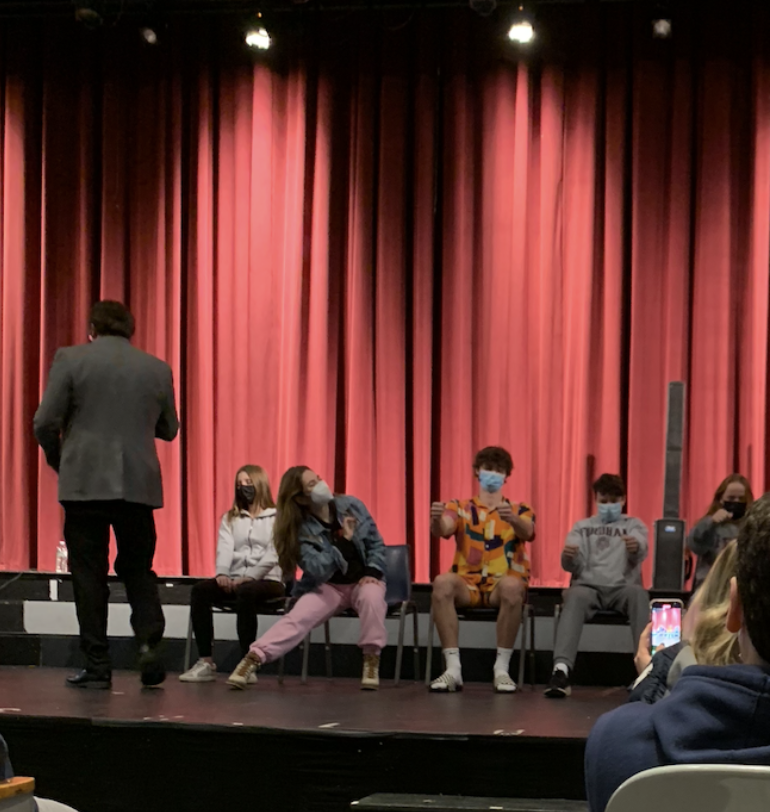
x=288, y=747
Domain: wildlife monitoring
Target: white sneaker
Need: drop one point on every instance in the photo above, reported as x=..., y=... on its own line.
x=447, y=683
x=244, y=671
x=200, y=672
x=504, y=684
x=370, y=681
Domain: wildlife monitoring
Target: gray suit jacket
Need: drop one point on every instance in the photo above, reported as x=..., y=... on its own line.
x=104, y=405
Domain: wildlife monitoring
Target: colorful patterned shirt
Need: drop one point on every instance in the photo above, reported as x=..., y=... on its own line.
x=487, y=546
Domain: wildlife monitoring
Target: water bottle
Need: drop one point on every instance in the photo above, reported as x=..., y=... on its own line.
x=61, y=557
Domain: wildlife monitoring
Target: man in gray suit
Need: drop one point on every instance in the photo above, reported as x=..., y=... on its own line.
x=104, y=405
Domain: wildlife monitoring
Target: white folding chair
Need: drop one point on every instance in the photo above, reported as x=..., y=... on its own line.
x=695, y=788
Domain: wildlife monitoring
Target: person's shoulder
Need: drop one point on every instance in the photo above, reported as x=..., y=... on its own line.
x=344, y=501
x=614, y=728
x=149, y=359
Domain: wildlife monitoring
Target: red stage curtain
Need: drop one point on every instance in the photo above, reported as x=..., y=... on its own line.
x=378, y=250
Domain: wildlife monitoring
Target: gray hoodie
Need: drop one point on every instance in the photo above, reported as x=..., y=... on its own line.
x=603, y=559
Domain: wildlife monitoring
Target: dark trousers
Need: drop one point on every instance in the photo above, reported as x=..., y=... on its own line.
x=245, y=599
x=87, y=535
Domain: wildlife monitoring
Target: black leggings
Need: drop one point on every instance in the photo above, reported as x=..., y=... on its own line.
x=246, y=599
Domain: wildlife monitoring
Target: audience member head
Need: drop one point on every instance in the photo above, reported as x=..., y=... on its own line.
x=704, y=623
x=301, y=492
x=252, y=490
x=749, y=613
x=110, y=318
x=733, y=495
x=610, y=493
x=492, y=466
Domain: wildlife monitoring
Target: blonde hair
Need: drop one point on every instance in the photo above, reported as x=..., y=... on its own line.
x=263, y=497
x=712, y=644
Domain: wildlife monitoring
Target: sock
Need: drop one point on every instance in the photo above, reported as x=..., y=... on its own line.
x=561, y=667
x=452, y=661
x=503, y=661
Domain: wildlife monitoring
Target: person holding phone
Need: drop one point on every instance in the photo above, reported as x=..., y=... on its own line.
x=335, y=542
x=248, y=573
x=721, y=523
x=604, y=555
x=490, y=568
x=715, y=714
x=705, y=640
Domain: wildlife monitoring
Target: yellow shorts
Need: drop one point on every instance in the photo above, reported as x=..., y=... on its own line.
x=480, y=588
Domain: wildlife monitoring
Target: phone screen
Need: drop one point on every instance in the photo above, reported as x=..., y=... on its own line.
x=666, y=624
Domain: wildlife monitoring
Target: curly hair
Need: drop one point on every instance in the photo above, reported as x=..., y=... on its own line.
x=610, y=485
x=494, y=458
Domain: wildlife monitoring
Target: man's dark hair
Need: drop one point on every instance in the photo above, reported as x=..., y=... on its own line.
x=494, y=457
x=753, y=574
x=610, y=485
x=110, y=318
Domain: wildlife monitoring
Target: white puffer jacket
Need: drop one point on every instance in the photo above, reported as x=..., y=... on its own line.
x=245, y=547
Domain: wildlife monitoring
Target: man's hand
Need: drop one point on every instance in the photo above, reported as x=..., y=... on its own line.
x=721, y=516
x=437, y=511
x=239, y=581
x=632, y=545
x=643, y=657
x=225, y=582
x=348, y=527
x=505, y=512
x=367, y=579
x=570, y=551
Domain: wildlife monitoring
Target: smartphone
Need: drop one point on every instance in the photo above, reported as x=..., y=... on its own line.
x=666, y=618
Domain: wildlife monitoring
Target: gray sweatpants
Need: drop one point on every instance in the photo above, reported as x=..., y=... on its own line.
x=582, y=602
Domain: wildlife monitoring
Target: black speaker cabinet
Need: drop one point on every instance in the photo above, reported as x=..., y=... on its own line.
x=668, y=574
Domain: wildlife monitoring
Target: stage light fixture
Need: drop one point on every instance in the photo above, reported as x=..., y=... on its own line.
x=483, y=7
x=149, y=35
x=257, y=35
x=661, y=28
x=661, y=21
x=259, y=38
x=522, y=28
x=88, y=13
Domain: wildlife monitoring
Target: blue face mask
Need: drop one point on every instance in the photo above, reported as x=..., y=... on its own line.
x=610, y=512
x=491, y=481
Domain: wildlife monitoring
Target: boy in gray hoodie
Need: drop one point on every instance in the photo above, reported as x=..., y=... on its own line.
x=604, y=554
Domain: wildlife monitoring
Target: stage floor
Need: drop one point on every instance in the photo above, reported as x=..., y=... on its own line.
x=311, y=748
x=336, y=705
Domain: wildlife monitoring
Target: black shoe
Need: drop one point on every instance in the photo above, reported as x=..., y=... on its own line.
x=90, y=679
x=559, y=685
x=151, y=666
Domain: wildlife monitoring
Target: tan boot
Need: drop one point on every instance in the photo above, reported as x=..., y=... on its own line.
x=245, y=673
x=370, y=681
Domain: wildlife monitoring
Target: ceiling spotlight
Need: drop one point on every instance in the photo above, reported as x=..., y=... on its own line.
x=483, y=7
x=661, y=28
x=88, y=13
x=522, y=28
x=149, y=35
x=259, y=38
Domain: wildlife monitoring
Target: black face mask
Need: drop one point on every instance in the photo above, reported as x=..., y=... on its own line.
x=245, y=495
x=737, y=509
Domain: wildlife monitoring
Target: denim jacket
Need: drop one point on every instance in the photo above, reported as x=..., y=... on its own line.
x=320, y=559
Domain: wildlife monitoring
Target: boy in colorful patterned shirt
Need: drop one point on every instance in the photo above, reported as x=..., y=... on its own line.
x=490, y=567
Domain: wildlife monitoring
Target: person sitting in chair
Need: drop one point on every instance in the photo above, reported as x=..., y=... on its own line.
x=248, y=574
x=335, y=542
x=714, y=714
x=490, y=568
x=604, y=554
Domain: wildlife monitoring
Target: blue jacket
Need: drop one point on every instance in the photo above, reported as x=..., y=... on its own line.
x=319, y=559
x=714, y=715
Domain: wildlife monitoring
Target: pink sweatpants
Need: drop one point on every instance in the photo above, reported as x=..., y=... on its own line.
x=313, y=608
